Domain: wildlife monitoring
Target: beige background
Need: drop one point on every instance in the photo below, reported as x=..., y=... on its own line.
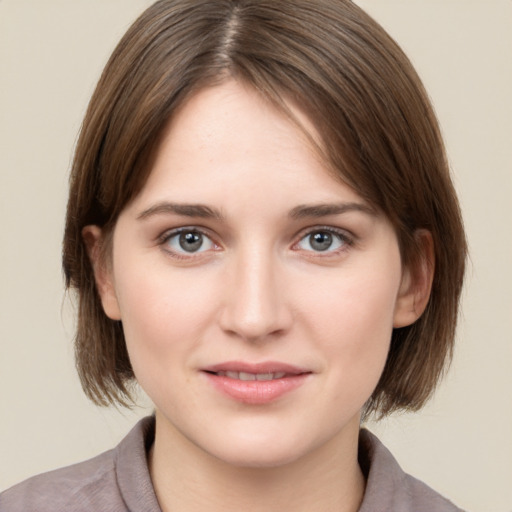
x=51, y=53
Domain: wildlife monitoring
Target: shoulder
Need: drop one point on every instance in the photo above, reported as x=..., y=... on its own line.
x=117, y=480
x=74, y=488
x=390, y=488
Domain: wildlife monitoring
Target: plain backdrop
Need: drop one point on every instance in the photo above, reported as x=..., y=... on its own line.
x=51, y=54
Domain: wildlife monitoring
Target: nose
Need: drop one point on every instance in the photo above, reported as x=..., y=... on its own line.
x=255, y=306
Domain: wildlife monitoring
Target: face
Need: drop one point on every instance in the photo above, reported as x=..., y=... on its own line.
x=257, y=293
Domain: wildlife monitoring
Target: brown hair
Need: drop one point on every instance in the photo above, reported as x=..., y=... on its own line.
x=378, y=131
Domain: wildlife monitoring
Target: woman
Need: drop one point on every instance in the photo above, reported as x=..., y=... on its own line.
x=263, y=233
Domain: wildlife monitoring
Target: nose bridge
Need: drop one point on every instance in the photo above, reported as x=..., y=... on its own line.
x=255, y=305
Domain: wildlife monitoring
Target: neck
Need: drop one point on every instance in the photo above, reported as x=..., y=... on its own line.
x=186, y=478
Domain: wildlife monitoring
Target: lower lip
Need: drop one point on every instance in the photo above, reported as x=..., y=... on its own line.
x=256, y=392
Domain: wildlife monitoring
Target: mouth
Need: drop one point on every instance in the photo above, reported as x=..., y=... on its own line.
x=246, y=376
x=255, y=384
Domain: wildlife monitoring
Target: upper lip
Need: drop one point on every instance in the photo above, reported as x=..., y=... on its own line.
x=256, y=368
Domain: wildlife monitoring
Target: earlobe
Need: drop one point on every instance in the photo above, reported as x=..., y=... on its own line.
x=416, y=284
x=94, y=239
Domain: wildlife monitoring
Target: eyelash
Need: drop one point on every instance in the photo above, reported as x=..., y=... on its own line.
x=168, y=235
x=347, y=240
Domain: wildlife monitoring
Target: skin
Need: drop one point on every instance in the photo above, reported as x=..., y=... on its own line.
x=258, y=289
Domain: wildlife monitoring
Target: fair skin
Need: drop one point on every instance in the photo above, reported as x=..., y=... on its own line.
x=243, y=254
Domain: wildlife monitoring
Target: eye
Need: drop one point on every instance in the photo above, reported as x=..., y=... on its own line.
x=323, y=240
x=187, y=241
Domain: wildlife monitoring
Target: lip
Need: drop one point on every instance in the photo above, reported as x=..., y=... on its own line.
x=256, y=392
x=263, y=367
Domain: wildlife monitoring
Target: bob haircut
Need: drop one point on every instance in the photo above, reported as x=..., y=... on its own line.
x=378, y=133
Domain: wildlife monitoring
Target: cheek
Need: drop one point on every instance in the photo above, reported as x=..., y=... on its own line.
x=352, y=304
x=162, y=312
x=353, y=322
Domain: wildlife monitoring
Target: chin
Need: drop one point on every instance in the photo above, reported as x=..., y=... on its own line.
x=270, y=450
x=258, y=457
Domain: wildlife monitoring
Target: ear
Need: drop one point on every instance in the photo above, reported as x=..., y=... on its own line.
x=416, y=284
x=94, y=239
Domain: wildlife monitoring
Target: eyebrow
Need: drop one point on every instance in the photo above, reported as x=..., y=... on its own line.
x=325, y=209
x=299, y=212
x=186, y=210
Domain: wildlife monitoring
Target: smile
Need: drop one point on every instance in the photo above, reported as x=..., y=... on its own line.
x=255, y=384
x=251, y=376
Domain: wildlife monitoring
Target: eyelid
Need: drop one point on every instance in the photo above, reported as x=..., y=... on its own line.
x=347, y=238
x=163, y=238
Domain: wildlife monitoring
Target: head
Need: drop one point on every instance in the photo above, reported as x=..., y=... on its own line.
x=374, y=130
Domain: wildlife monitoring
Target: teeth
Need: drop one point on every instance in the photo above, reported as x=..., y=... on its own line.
x=247, y=376
x=251, y=376
x=264, y=376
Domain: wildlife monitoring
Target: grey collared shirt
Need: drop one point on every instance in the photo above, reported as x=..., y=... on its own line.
x=119, y=481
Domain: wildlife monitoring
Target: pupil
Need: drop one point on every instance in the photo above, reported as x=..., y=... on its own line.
x=191, y=242
x=321, y=241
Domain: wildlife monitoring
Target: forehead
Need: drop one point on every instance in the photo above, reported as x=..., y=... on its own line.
x=228, y=137
x=234, y=116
